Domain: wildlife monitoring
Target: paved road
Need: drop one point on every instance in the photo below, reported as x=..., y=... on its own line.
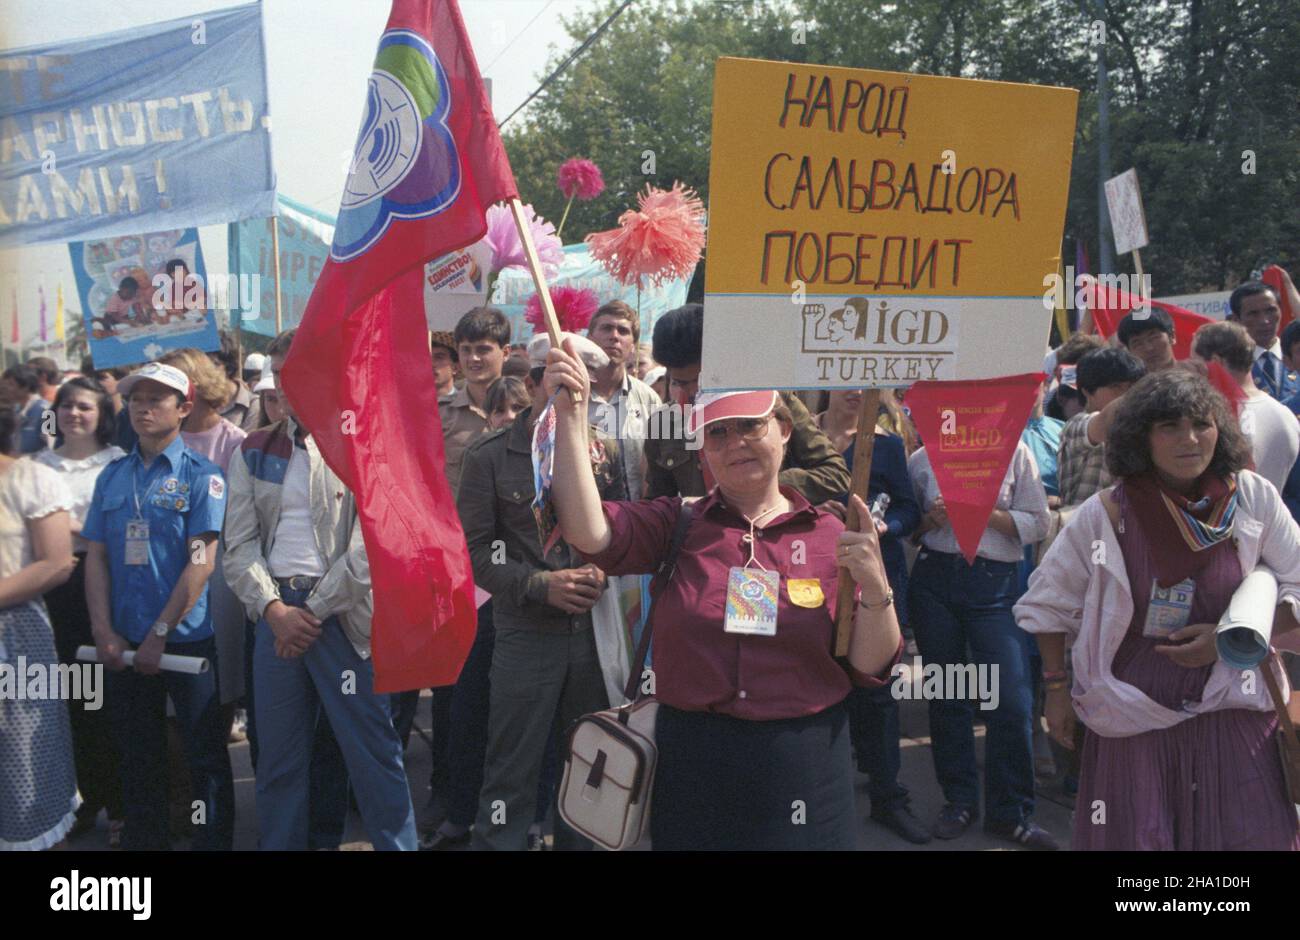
x=917, y=774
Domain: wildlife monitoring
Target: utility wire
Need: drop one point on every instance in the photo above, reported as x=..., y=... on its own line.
x=516, y=39
x=568, y=60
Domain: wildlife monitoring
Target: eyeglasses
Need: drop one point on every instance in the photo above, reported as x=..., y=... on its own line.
x=747, y=429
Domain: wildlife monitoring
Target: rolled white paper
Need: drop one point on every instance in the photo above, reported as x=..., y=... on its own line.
x=190, y=665
x=1246, y=627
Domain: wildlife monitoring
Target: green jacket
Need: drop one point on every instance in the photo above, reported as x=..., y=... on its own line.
x=812, y=464
x=495, y=503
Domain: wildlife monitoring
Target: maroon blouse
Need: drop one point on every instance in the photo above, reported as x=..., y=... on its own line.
x=699, y=667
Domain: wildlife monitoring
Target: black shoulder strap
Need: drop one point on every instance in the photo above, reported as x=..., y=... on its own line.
x=662, y=577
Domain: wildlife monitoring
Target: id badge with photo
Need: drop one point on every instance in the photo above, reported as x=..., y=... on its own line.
x=137, y=542
x=752, y=601
x=1169, y=609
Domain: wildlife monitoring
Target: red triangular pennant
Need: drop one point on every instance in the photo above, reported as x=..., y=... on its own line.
x=970, y=430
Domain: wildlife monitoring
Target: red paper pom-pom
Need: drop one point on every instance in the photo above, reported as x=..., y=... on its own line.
x=574, y=308
x=660, y=240
x=581, y=178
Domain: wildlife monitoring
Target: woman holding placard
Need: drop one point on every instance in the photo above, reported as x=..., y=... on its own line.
x=1179, y=752
x=752, y=727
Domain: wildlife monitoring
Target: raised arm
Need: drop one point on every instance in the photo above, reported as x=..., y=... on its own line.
x=573, y=486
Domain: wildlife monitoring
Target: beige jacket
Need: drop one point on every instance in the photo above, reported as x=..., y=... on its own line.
x=255, y=481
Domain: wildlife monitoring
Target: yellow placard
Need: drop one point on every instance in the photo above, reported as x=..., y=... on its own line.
x=834, y=190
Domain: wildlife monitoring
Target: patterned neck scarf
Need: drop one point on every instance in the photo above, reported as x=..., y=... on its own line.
x=1183, y=531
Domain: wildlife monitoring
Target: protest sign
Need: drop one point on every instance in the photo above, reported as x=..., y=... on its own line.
x=305, y=237
x=970, y=431
x=454, y=284
x=1128, y=222
x=134, y=311
x=579, y=270
x=878, y=228
x=157, y=127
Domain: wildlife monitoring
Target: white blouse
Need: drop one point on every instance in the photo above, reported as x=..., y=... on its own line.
x=29, y=490
x=79, y=476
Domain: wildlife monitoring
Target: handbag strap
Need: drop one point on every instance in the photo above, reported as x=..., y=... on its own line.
x=662, y=577
x=1283, y=716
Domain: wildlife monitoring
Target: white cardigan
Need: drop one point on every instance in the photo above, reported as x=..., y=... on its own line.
x=1082, y=589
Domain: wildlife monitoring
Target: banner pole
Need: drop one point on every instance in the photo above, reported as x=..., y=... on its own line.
x=863, y=446
x=539, y=277
x=275, y=250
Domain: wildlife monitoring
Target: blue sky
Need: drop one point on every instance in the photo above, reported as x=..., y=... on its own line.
x=319, y=55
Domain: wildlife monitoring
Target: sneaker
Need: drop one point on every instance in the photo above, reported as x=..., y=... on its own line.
x=1029, y=834
x=898, y=816
x=954, y=819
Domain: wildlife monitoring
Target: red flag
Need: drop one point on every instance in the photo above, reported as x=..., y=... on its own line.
x=1111, y=305
x=1273, y=277
x=970, y=430
x=428, y=163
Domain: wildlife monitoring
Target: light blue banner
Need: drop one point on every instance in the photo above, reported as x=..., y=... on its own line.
x=305, y=237
x=159, y=127
x=126, y=324
x=514, y=286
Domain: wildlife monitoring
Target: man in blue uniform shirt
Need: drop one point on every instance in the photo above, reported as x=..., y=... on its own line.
x=152, y=527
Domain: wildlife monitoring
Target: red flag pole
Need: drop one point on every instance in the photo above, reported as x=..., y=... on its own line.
x=539, y=277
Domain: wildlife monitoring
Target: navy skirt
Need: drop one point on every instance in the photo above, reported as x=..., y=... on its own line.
x=724, y=784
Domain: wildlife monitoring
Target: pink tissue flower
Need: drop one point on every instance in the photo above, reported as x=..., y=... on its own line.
x=581, y=178
x=508, y=250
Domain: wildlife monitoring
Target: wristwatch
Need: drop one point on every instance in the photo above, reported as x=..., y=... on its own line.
x=160, y=628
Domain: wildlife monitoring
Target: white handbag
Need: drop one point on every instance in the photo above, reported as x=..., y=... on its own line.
x=609, y=764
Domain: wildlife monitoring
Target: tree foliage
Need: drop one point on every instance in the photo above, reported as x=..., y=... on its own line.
x=1198, y=89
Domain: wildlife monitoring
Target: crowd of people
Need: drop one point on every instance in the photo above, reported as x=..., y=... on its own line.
x=180, y=519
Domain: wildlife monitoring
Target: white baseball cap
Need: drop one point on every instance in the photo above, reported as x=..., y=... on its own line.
x=267, y=381
x=163, y=375
x=591, y=354
x=254, y=362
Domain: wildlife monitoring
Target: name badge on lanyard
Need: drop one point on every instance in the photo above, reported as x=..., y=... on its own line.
x=751, y=602
x=137, y=542
x=1169, y=608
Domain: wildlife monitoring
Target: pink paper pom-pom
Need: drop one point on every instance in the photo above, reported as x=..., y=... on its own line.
x=660, y=240
x=508, y=250
x=574, y=309
x=581, y=178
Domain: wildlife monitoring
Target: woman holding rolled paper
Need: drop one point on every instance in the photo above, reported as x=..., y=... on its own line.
x=38, y=784
x=752, y=727
x=1178, y=752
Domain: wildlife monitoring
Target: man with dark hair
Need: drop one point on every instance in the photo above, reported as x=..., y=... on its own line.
x=1102, y=376
x=482, y=340
x=22, y=389
x=296, y=558
x=1254, y=305
x=1150, y=338
x=545, y=671
x=621, y=403
x=1267, y=424
x=50, y=375
x=812, y=464
x=244, y=409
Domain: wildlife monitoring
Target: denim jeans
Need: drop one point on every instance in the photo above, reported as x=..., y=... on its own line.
x=957, y=607
x=327, y=809
x=138, y=709
x=289, y=694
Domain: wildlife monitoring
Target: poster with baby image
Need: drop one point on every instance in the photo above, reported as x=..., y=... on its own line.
x=142, y=295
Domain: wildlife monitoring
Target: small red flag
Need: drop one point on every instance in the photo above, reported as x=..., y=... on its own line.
x=1273, y=277
x=1113, y=304
x=970, y=430
x=429, y=161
